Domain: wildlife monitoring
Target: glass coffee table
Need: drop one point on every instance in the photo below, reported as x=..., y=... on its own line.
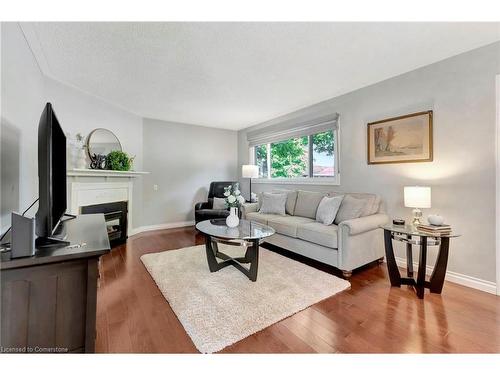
x=247, y=233
x=410, y=235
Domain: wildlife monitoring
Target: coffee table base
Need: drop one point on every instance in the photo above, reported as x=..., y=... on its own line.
x=251, y=257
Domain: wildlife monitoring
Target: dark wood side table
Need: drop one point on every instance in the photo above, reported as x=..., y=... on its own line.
x=411, y=236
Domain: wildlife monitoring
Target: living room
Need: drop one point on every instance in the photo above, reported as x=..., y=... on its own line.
x=250, y=187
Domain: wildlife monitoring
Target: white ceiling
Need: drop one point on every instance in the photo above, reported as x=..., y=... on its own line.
x=233, y=75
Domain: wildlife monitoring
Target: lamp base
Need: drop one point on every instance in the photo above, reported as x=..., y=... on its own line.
x=417, y=216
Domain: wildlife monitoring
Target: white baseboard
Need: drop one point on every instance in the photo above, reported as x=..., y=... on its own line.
x=458, y=278
x=147, y=228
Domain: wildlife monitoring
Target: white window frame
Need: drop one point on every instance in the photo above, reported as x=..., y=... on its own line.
x=335, y=180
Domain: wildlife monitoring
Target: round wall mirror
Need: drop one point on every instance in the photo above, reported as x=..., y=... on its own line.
x=102, y=142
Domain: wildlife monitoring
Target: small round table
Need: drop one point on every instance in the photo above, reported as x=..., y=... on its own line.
x=405, y=234
x=247, y=233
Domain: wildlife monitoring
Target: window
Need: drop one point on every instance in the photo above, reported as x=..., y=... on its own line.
x=261, y=160
x=310, y=156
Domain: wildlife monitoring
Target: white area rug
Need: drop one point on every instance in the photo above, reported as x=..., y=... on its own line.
x=218, y=309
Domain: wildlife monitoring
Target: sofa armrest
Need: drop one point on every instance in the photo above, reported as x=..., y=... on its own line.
x=248, y=207
x=202, y=206
x=363, y=224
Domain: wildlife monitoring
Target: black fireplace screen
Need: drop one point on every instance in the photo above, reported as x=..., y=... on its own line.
x=115, y=214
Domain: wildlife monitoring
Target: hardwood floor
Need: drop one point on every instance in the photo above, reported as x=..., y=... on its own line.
x=372, y=317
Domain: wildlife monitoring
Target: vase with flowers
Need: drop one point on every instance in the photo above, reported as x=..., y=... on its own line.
x=234, y=199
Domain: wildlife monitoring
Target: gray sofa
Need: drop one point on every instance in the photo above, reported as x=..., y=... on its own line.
x=345, y=245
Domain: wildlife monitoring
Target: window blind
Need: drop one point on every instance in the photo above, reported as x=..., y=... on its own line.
x=292, y=129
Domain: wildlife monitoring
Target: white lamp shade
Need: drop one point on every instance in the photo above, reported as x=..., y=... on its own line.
x=417, y=196
x=250, y=171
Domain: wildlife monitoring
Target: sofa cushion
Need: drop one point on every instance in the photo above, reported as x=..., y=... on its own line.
x=291, y=199
x=287, y=225
x=372, y=201
x=351, y=208
x=325, y=235
x=307, y=203
x=260, y=218
x=273, y=203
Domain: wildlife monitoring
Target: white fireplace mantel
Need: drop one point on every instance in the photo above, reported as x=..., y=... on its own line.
x=103, y=173
x=93, y=186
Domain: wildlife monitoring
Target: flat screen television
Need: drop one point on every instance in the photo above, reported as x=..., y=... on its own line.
x=51, y=178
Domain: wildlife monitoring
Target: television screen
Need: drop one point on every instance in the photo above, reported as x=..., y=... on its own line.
x=51, y=173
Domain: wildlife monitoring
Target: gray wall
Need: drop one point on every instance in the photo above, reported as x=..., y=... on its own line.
x=25, y=90
x=22, y=102
x=461, y=91
x=79, y=112
x=183, y=159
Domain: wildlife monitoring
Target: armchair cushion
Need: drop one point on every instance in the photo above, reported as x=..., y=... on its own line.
x=202, y=206
x=363, y=224
x=219, y=203
x=208, y=214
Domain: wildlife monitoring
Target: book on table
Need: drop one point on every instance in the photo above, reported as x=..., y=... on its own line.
x=434, y=229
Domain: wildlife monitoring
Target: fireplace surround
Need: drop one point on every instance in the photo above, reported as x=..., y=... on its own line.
x=115, y=215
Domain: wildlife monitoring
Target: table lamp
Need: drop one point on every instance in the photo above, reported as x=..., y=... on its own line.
x=250, y=171
x=417, y=197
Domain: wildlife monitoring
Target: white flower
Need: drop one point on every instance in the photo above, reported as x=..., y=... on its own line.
x=241, y=199
x=227, y=193
x=237, y=192
x=231, y=199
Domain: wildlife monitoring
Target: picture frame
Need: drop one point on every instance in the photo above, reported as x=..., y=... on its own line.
x=402, y=139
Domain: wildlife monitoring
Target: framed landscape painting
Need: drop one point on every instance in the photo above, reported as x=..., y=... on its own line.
x=403, y=139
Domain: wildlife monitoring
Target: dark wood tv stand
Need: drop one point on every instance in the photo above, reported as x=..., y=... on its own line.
x=49, y=299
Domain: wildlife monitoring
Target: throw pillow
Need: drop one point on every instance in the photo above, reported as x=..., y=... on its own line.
x=273, y=203
x=291, y=198
x=219, y=204
x=351, y=208
x=328, y=208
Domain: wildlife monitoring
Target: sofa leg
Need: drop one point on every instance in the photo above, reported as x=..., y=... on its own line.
x=380, y=260
x=347, y=274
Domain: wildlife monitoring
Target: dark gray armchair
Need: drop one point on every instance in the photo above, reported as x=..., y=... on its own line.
x=204, y=210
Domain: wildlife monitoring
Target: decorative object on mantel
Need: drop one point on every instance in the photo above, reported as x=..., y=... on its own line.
x=417, y=197
x=234, y=199
x=119, y=161
x=98, y=161
x=100, y=143
x=403, y=139
x=250, y=171
x=76, y=151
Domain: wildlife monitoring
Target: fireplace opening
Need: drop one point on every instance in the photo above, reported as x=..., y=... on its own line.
x=115, y=214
